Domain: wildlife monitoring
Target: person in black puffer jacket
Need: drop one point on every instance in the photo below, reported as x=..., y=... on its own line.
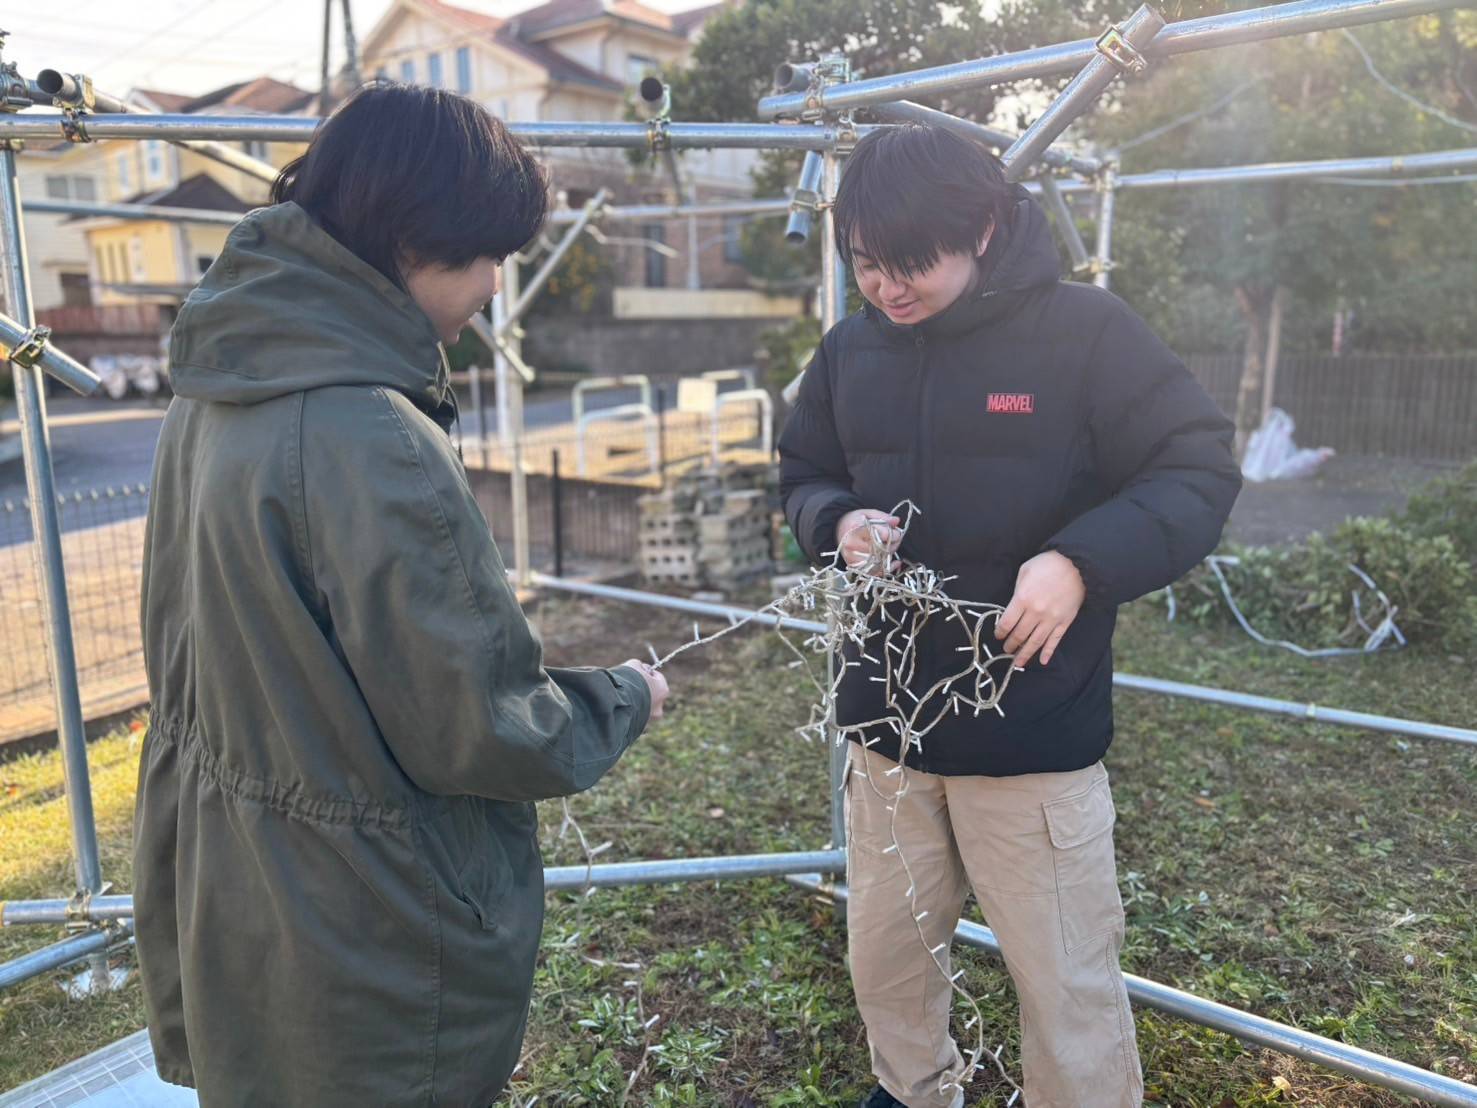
x=1063, y=462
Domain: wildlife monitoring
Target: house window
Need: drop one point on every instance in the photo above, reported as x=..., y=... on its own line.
x=63, y=187
x=136, y=258
x=656, y=261
x=436, y=78
x=407, y=71
x=76, y=290
x=125, y=172
x=154, y=158
x=256, y=149
x=381, y=74
x=639, y=66
x=203, y=262
x=733, y=239
x=463, y=69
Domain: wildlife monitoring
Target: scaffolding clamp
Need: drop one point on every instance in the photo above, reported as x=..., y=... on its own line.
x=1122, y=53
x=13, y=94
x=845, y=133
x=832, y=69
x=31, y=347
x=659, y=134
x=79, y=908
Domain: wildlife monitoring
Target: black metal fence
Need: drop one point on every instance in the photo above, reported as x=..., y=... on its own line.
x=594, y=517
x=1421, y=407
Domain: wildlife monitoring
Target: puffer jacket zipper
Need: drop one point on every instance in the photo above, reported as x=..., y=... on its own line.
x=923, y=675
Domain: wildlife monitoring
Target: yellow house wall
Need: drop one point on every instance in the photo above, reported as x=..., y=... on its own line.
x=132, y=253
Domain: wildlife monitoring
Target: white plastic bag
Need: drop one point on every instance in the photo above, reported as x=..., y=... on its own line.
x=1271, y=455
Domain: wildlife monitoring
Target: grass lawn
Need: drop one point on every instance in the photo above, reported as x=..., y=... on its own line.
x=1321, y=876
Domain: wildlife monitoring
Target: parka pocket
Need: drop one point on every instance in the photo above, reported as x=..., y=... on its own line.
x=1081, y=831
x=484, y=873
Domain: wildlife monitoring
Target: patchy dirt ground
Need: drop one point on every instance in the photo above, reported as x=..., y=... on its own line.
x=1272, y=512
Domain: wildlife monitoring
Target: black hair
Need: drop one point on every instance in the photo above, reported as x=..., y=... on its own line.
x=400, y=173
x=913, y=192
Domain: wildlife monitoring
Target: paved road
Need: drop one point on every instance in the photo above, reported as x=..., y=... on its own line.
x=95, y=444
x=101, y=444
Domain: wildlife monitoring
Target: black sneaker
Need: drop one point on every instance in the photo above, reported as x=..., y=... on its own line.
x=880, y=1098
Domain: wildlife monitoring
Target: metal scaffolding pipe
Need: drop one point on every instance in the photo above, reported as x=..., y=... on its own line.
x=833, y=269
x=1066, y=226
x=1392, y=165
x=905, y=111
x=1230, y=29
x=723, y=867
x=1375, y=1069
x=1118, y=51
x=94, y=944
x=146, y=212
x=1308, y=712
x=641, y=212
x=27, y=345
x=1387, y=165
x=77, y=92
x=766, y=206
x=518, y=307
x=805, y=201
x=267, y=128
x=47, y=544
x=1365, y=720
x=1102, y=260
x=97, y=909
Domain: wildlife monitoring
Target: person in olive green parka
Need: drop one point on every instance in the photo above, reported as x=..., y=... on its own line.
x=337, y=883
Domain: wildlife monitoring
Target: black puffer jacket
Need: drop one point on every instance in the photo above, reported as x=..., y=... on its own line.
x=1031, y=415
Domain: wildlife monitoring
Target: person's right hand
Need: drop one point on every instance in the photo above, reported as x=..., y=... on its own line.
x=654, y=681
x=856, y=533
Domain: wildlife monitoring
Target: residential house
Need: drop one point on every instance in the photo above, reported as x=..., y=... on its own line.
x=109, y=285
x=580, y=60
x=133, y=260
x=681, y=299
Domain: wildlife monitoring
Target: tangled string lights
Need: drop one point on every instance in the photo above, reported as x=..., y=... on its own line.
x=880, y=606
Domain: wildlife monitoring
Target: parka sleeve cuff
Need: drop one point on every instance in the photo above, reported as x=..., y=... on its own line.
x=636, y=694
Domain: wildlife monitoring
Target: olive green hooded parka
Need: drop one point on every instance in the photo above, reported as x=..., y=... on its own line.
x=338, y=888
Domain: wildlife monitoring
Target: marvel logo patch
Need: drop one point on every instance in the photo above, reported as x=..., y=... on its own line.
x=1011, y=403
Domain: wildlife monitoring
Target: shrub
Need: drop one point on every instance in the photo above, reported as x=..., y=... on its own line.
x=1448, y=506
x=1307, y=594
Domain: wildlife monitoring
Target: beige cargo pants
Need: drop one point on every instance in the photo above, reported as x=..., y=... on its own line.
x=1038, y=852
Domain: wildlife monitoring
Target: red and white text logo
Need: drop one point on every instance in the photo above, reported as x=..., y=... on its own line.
x=1011, y=403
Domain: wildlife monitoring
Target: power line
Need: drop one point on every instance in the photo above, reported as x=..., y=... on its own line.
x=191, y=14
x=1430, y=109
x=1190, y=117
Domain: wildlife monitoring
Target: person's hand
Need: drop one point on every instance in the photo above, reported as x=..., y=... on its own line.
x=858, y=531
x=1048, y=595
x=655, y=682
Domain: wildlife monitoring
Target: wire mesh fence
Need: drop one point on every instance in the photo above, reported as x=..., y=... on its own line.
x=102, y=547
x=589, y=512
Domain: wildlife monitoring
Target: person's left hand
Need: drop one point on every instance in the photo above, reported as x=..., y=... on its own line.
x=1048, y=594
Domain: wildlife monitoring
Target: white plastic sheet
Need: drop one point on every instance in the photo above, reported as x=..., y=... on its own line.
x=1272, y=455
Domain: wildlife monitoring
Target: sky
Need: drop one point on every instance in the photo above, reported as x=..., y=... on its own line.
x=193, y=46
